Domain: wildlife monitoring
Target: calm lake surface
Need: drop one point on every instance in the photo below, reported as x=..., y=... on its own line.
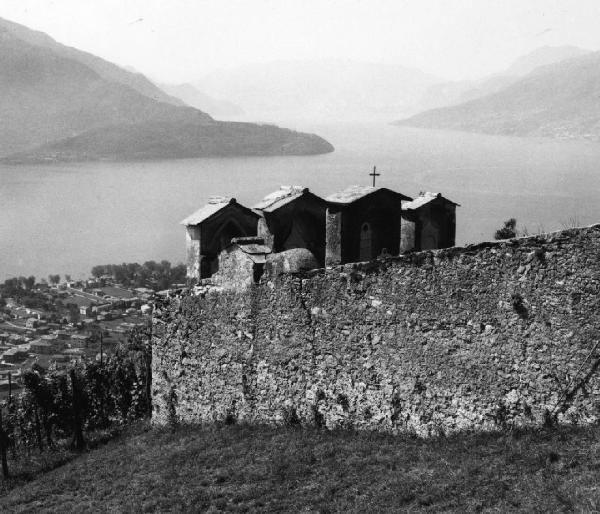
x=67, y=218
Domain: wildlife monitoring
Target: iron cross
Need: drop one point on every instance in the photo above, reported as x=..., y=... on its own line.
x=374, y=174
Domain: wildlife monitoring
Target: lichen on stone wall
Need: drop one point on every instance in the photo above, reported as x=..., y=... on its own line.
x=479, y=338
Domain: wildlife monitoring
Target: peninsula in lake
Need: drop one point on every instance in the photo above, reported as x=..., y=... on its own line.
x=559, y=100
x=60, y=104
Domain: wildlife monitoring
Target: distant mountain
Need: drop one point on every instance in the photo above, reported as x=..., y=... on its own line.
x=558, y=100
x=452, y=93
x=173, y=140
x=319, y=90
x=55, y=107
x=543, y=57
x=194, y=97
x=105, y=69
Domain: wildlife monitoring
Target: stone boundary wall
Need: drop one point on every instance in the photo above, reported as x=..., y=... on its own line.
x=484, y=337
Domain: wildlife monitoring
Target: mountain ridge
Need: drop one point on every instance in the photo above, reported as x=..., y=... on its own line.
x=192, y=96
x=446, y=94
x=559, y=100
x=104, y=68
x=327, y=89
x=53, y=106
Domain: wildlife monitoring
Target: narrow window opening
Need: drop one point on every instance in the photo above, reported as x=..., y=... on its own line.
x=258, y=270
x=366, y=242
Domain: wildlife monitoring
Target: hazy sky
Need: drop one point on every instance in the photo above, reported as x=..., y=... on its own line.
x=179, y=40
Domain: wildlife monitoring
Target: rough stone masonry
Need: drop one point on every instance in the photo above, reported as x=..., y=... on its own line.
x=479, y=338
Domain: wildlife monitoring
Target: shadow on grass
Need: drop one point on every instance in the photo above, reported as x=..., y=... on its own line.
x=246, y=468
x=27, y=465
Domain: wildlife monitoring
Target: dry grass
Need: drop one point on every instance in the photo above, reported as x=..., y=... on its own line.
x=242, y=468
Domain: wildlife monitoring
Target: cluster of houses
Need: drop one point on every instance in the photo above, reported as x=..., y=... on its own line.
x=104, y=314
x=292, y=229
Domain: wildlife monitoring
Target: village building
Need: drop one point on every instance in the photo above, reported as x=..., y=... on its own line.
x=428, y=222
x=80, y=341
x=14, y=355
x=62, y=335
x=11, y=303
x=32, y=323
x=293, y=217
x=211, y=229
x=101, y=308
x=9, y=371
x=362, y=223
x=42, y=347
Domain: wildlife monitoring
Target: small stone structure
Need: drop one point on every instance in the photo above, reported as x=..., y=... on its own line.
x=242, y=263
x=291, y=261
x=428, y=222
x=293, y=217
x=361, y=223
x=210, y=229
x=496, y=335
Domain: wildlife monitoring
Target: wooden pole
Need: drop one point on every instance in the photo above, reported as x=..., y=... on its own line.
x=78, y=442
x=3, y=447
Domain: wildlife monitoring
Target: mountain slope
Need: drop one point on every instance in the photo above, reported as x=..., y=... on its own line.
x=452, y=93
x=56, y=108
x=319, y=90
x=543, y=56
x=192, y=96
x=175, y=140
x=46, y=97
x=559, y=100
x=105, y=69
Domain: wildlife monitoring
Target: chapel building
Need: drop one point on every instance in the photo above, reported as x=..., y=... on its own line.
x=292, y=230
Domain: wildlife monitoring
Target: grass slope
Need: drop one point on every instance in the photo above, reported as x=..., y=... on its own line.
x=241, y=468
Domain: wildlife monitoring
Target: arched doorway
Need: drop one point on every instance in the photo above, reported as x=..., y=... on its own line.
x=366, y=242
x=429, y=237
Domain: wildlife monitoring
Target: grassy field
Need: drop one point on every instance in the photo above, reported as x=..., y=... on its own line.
x=242, y=468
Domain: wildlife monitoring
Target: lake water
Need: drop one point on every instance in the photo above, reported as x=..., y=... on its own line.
x=67, y=218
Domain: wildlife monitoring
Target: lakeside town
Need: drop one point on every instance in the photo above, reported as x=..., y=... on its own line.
x=54, y=323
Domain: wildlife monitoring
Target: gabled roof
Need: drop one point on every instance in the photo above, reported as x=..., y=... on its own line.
x=279, y=198
x=424, y=199
x=214, y=205
x=354, y=193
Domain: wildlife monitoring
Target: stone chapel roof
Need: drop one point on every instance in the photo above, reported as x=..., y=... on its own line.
x=279, y=198
x=353, y=193
x=424, y=199
x=214, y=205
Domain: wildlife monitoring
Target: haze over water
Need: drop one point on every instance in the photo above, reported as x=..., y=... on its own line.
x=67, y=218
